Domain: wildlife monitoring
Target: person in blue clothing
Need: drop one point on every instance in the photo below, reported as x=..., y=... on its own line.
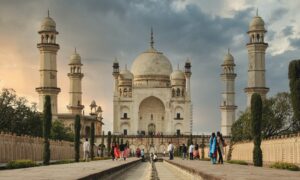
x=213, y=148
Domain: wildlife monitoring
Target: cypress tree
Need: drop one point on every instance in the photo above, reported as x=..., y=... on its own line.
x=47, y=129
x=108, y=142
x=102, y=144
x=77, y=138
x=294, y=77
x=92, y=140
x=256, y=118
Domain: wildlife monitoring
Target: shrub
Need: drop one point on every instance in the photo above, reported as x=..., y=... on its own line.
x=25, y=163
x=288, y=166
x=240, y=162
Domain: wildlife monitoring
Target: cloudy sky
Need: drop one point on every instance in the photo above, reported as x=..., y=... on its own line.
x=104, y=29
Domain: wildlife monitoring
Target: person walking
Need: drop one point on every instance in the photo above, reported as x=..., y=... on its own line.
x=170, y=150
x=196, y=152
x=184, y=151
x=191, y=149
x=117, y=152
x=112, y=151
x=122, y=147
x=213, y=148
x=86, y=149
x=220, y=146
x=143, y=155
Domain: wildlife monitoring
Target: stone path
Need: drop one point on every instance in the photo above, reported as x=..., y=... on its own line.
x=62, y=171
x=169, y=172
x=240, y=172
x=142, y=171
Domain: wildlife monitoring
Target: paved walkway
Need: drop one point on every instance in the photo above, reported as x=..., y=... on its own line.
x=240, y=172
x=142, y=171
x=170, y=172
x=62, y=171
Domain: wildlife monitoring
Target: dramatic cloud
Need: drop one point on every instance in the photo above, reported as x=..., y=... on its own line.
x=102, y=30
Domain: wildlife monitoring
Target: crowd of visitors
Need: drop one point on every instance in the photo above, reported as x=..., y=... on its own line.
x=122, y=151
x=119, y=151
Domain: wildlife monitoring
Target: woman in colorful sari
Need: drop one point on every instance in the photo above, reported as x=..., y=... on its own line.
x=213, y=148
x=117, y=152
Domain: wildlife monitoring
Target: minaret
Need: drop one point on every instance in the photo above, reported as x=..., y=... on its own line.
x=256, y=57
x=115, y=73
x=188, y=74
x=75, y=103
x=48, y=71
x=228, y=106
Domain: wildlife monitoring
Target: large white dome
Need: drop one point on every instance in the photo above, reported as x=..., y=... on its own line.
x=151, y=63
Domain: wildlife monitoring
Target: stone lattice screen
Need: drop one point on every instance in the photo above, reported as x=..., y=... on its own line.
x=276, y=149
x=14, y=147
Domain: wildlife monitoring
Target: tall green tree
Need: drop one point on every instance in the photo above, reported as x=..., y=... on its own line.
x=108, y=142
x=256, y=120
x=276, y=119
x=294, y=77
x=92, y=140
x=77, y=128
x=60, y=132
x=17, y=116
x=47, y=129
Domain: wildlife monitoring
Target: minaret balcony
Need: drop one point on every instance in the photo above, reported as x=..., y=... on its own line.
x=50, y=90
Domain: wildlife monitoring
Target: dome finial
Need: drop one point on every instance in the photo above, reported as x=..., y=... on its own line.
x=256, y=11
x=48, y=13
x=177, y=66
x=75, y=50
x=125, y=66
x=152, y=39
x=228, y=51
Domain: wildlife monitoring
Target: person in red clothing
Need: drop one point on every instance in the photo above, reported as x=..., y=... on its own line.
x=117, y=152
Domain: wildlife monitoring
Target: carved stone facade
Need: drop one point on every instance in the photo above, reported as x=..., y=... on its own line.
x=152, y=98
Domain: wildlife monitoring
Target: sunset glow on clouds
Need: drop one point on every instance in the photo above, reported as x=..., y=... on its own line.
x=102, y=30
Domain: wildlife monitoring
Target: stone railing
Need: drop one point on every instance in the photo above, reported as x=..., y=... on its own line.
x=285, y=148
x=13, y=147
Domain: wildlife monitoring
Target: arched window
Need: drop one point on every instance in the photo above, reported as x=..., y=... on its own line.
x=173, y=92
x=120, y=92
x=47, y=37
x=178, y=92
x=257, y=38
x=51, y=39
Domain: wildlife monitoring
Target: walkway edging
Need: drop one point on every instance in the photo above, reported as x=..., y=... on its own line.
x=110, y=171
x=194, y=171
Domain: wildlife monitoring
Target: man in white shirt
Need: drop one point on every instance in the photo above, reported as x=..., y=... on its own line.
x=86, y=149
x=191, y=149
x=170, y=150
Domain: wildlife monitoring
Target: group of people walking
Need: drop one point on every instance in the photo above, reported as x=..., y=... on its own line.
x=119, y=151
x=216, y=148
